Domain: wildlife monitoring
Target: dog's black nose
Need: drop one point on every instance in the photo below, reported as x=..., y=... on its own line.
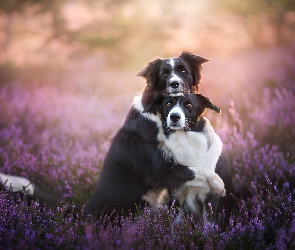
x=174, y=84
x=175, y=117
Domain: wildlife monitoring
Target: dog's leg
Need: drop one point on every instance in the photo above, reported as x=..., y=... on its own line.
x=216, y=184
x=192, y=199
x=226, y=204
x=155, y=198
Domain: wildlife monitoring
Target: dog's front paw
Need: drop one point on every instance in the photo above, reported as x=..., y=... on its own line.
x=217, y=185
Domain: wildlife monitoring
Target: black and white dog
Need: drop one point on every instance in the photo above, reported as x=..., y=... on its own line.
x=173, y=77
x=134, y=170
x=187, y=137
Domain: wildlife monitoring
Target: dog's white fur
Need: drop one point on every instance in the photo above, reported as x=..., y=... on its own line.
x=190, y=149
x=16, y=184
x=137, y=104
x=199, y=151
x=176, y=110
x=174, y=77
x=155, y=198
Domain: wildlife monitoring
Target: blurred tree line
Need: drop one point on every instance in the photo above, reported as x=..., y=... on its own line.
x=99, y=33
x=279, y=15
x=10, y=7
x=121, y=30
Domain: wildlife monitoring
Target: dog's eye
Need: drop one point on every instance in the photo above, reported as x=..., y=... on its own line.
x=165, y=74
x=168, y=104
x=183, y=71
x=189, y=105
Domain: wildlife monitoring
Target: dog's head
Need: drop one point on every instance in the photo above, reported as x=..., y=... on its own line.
x=173, y=76
x=181, y=112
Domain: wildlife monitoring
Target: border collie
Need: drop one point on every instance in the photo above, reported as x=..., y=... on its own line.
x=173, y=77
x=188, y=138
x=134, y=171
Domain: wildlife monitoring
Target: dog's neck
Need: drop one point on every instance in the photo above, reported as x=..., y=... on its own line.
x=148, y=97
x=139, y=106
x=194, y=126
x=201, y=126
x=201, y=123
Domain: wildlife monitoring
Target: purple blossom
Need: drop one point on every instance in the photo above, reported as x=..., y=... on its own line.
x=58, y=140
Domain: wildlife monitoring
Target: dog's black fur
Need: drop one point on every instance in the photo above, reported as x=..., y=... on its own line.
x=133, y=165
x=157, y=82
x=196, y=123
x=158, y=72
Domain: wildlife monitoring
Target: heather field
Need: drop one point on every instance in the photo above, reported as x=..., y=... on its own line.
x=57, y=136
x=67, y=81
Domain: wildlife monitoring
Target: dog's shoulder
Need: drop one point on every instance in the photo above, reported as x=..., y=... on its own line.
x=204, y=127
x=142, y=123
x=202, y=123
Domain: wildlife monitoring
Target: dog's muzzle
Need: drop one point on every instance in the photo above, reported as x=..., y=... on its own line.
x=176, y=119
x=176, y=88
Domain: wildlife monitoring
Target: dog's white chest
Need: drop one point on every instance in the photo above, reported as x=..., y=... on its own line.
x=186, y=147
x=193, y=149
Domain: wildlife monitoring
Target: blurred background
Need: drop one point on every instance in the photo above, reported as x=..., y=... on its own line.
x=67, y=77
x=101, y=44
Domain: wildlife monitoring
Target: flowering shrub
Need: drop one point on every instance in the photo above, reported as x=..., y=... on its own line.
x=58, y=140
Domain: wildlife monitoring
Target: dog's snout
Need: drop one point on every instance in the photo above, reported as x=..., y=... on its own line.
x=174, y=84
x=175, y=117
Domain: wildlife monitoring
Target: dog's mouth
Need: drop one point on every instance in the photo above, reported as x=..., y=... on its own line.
x=175, y=121
x=175, y=92
x=176, y=89
x=175, y=127
x=180, y=125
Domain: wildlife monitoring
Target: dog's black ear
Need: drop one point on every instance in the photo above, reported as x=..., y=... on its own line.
x=154, y=105
x=195, y=62
x=207, y=103
x=190, y=57
x=150, y=69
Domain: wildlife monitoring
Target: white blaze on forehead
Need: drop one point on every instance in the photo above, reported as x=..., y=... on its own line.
x=174, y=77
x=172, y=62
x=176, y=110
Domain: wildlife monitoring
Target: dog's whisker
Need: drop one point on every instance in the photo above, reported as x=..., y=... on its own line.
x=187, y=127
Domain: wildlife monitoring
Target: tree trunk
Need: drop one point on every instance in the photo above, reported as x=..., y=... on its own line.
x=278, y=24
x=8, y=33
